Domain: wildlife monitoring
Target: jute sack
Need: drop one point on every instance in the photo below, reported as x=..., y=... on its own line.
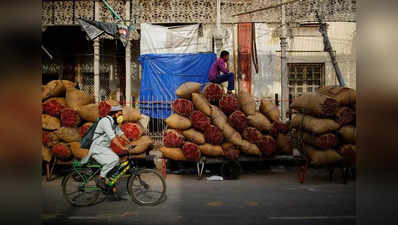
x=186, y=89
x=232, y=135
x=344, y=96
x=314, y=125
x=60, y=100
x=131, y=114
x=270, y=110
x=46, y=154
x=259, y=121
x=76, y=98
x=54, y=88
x=211, y=150
x=322, y=157
x=89, y=112
x=316, y=105
x=249, y=148
x=218, y=117
x=49, y=122
x=68, y=84
x=283, y=144
x=68, y=134
x=112, y=102
x=201, y=103
x=173, y=153
x=247, y=103
x=142, y=144
x=194, y=136
x=348, y=134
x=78, y=152
x=178, y=122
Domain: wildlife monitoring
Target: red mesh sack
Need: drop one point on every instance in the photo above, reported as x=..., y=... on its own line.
x=238, y=120
x=191, y=151
x=132, y=131
x=182, y=107
x=104, y=108
x=62, y=151
x=252, y=135
x=229, y=104
x=230, y=151
x=213, y=135
x=267, y=145
x=213, y=92
x=280, y=127
x=199, y=120
x=116, y=148
x=274, y=131
x=52, y=108
x=69, y=118
x=173, y=138
x=84, y=128
x=49, y=139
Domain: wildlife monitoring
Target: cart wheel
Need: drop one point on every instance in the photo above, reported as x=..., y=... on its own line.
x=231, y=170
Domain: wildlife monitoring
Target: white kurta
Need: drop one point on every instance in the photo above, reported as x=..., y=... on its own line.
x=100, y=149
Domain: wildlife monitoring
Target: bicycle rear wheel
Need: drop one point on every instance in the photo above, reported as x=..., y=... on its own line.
x=80, y=193
x=147, y=187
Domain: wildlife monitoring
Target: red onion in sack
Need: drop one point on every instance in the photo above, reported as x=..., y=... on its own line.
x=182, y=107
x=62, y=151
x=238, y=120
x=52, y=108
x=199, y=120
x=69, y=118
x=267, y=145
x=116, y=148
x=49, y=139
x=213, y=92
x=213, y=135
x=229, y=104
x=191, y=151
x=132, y=131
x=84, y=128
x=104, y=108
x=280, y=127
x=252, y=135
x=173, y=138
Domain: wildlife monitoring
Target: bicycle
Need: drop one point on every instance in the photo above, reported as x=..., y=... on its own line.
x=141, y=183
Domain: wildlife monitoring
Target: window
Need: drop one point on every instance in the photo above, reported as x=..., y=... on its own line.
x=305, y=77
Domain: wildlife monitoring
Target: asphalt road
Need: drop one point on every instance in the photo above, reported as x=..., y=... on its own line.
x=269, y=197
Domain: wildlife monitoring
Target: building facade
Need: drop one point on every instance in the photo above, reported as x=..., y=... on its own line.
x=103, y=67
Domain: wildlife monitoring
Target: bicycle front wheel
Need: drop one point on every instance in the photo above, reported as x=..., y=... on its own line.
x=147, y=187
x=80, y=189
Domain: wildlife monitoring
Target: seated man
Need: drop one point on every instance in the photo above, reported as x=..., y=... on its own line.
x=219, y=65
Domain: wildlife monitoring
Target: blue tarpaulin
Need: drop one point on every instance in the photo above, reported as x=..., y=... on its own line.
x=162, y=74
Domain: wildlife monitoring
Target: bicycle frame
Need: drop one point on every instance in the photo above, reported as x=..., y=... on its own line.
x=77, y=167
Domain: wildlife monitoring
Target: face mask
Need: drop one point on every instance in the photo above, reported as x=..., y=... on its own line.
x=119, y=119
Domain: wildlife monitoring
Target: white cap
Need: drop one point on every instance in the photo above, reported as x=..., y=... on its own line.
x=116, y=108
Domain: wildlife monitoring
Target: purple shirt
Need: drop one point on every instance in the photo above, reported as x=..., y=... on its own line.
x=216, y=67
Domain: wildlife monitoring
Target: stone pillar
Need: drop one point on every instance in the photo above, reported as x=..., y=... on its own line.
x=97, y=57
x=128, y=61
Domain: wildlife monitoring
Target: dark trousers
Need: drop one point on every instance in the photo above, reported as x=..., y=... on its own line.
x=230, y=77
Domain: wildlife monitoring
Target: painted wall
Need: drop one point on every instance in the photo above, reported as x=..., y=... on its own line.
x=267, y=82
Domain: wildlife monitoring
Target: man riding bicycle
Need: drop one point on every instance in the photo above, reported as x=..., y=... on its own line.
x=106, y=132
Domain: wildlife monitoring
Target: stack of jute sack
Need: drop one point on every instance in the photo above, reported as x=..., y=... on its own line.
x=327, y=120
x=67, y=113
x=211, y=123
